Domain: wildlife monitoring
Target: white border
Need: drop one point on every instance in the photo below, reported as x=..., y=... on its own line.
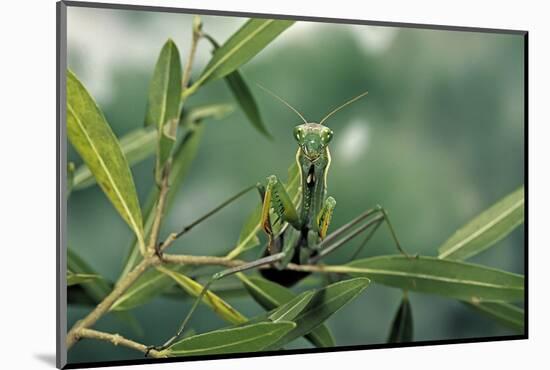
x=28, y=182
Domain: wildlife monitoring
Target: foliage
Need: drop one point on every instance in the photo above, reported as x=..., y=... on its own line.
x=172, y=134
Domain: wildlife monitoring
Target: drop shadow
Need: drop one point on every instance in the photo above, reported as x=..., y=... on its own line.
x=47, y=358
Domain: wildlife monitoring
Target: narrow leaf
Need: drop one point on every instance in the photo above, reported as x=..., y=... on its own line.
x=402, y=325
x=222, y=288
x=94, y=291
x=137, y=145
x=293, y=184
x=248, y=237
x=204, y=112
x=148, y=286
x=163, y=105
x=183, y=158
x=92, y=137
x=288, y=311
x=218, y=305
x=75, y=279
x=271, y=295
x=324, y=303
x=486, y=229
x=244, y=97
x=165, y=87
x=243, y=339
x=454, y=279
x=70, y=177
x=249, y=40
x=141, y=143
x=505, y=313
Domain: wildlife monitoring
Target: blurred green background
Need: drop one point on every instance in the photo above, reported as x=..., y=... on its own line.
x=438, y=139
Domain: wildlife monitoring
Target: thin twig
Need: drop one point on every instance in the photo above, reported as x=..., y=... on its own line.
x=183, y=259
x=117, y=339
x=194, y=42
x=159, y=211
x=172, y=237
x=110, y=299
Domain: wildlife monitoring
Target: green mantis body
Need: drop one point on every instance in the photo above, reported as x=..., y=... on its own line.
x=308, y=224
x=302, y=238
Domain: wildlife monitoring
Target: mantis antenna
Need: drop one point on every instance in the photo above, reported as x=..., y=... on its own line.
x=343, y=105
x=282, y=101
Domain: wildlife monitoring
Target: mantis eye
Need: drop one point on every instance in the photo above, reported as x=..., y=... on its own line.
x=326, y=136
x=299, y=133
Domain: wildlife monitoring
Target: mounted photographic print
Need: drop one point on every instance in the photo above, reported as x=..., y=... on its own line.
x=237, y=184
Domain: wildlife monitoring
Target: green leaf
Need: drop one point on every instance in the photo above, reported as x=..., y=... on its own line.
x=165, y=87
x=137, y=145
x=505, y=313
x=92, y=137
x=324, y=303
x=183, y=158
x=402, y=325
x=289, y=310
x=148, y=286
x=486, y=229
x=454, y=279
x=271, y=295
x=224, y=288
x=94, y=291
x=70, y=177
x=218, y=305
x=75, y=279
x=249, y=338
x=141, y=143
x=163, y=105
x=203, y=112
x=248, y=237
x=249, y=40
x=292, y=185
x=243, y=95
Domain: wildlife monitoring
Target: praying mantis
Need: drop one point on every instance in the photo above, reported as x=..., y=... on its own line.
x=302, y=236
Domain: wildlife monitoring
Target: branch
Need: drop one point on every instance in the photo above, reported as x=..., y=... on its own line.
x=117, y=339
x=105, y=305
x=197, y=25
x=159, y=211
x=183, y=259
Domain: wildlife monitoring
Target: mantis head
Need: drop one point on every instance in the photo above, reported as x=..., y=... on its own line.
x=313, y=138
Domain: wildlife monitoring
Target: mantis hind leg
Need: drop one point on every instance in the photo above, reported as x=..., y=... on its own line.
x=217, y=276
x=369, y=220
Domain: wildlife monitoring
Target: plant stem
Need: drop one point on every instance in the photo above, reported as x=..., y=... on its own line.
x=159, y=211
x=105, y=305
x=183, y=259
x=116, y=340
x=194, y=42
x=81, y=326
